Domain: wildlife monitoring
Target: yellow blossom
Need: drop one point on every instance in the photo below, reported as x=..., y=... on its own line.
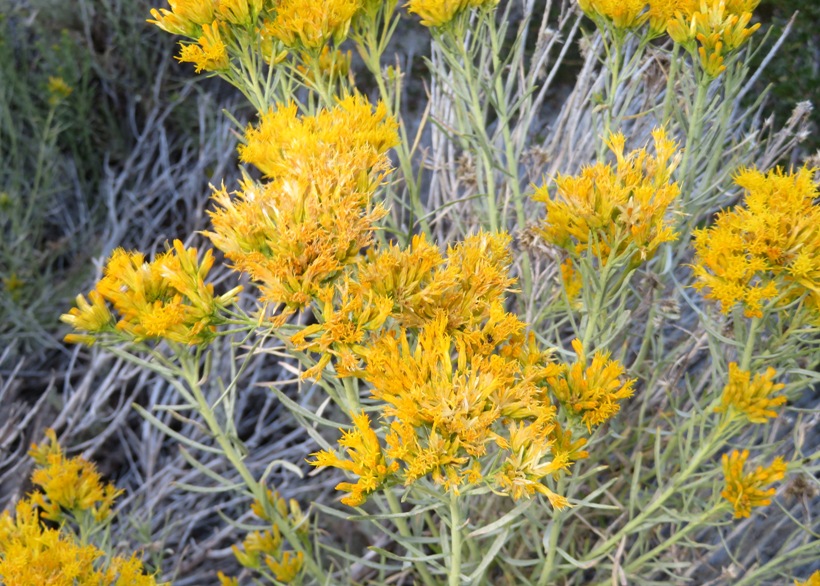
x=747, y=490
x=593, y=392
x=662, y=11
x=296, y=233
x=623, y=14
x=263, y=550
x=239, y=12
x=68, y=484
x=58, y=90
x=167, y=298
x=529, y=461
x=765, y=248
x=751, y=398
x=186, y=17
x=713, y=30
x=617, y=206
x=367, y=461
x=310, y=24
x=348, y=316
x=437, y=13
x=209, y=53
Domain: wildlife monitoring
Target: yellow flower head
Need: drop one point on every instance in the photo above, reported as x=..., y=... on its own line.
x=209, y=53
x=747, y=490
x=186, y=17
x=530, y=460
x=167, y=298
x=592, y=392
x=751, y=398
x=58, y=90
x=437, y=13
x=295, y=234
x=31, y=553
x=662, y=11
x=713, y=30
x=623, y=14
x=366, y=460
x=310, y=24
x=68, y=484
x=765, y=248
x=239, y=12
x=263, y=550
x=614, y=206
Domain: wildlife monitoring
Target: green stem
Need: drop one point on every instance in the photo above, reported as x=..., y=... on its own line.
x=592, y=314
x=707, y=449
x=614, y=59
x=748, y=348
x=190, y=372
x=692, y=138
x=555, y=529
x=670, y=85
x=404, y=531
x=454, y=576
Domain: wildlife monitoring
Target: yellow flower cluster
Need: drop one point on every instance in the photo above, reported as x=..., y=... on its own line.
x=295, y=233
x=166, y=298
x=436, y=13
x=615, y=208
x=767, y=248
x=70, y=485
x=472, y=385
x=212, y=26
x=411, y=287
x=751, y=398
x=32, y=552
x=623, y=14
x=310, y=25
x=444, y=414
x=747, y=490
x=263, y=550
x=713, y=29
x=592, y=392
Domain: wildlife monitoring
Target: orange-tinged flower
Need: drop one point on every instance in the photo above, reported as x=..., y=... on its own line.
x=751, y=398
x=592, y=392
x=747, y=490
x=614, y=207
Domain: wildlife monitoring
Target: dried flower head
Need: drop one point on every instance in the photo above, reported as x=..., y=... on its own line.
x=747, y=490
x=751, y=398
x=614, y=207
x=766, y=248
